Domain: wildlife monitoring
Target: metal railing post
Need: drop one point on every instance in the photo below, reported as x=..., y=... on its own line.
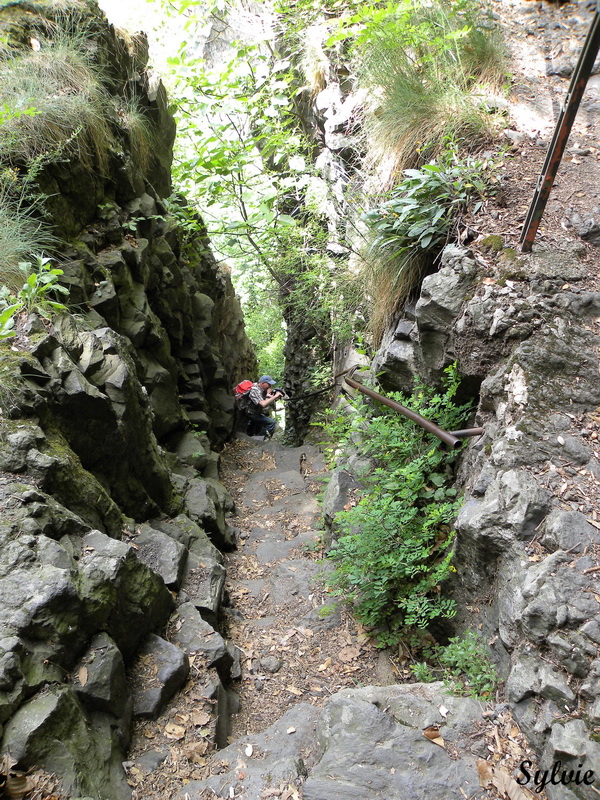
x=562, y=130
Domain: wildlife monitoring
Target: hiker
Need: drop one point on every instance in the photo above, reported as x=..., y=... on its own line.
x=253, y=403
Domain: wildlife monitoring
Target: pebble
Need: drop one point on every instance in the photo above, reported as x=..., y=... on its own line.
x=271, y=663
x=258, y=685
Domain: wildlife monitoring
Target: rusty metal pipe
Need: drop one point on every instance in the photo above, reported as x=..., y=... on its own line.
x=465, y=432
x=448, y=438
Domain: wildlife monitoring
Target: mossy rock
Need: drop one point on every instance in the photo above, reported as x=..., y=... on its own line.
x=492, y=242
x=78, y=489
x=52, y=731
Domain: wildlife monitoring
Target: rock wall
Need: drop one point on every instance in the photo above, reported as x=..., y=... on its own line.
x=528, y=533
x=110, y=417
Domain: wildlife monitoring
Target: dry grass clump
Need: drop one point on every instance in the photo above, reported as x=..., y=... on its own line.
x=424, y=68
x=52, y=96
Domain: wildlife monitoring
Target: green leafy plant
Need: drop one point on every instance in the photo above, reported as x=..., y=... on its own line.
x=396, y=552
x=7, y=321
x=41, y=283
x=423, y=672
x=411, y=227
x=337, y=428
x=464, y=664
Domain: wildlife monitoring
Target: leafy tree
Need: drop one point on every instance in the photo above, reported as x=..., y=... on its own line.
x=246, y=161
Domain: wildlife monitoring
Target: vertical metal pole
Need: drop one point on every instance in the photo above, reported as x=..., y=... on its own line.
x=561, y=132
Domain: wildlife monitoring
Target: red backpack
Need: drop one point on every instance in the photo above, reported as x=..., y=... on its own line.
x=242, y=389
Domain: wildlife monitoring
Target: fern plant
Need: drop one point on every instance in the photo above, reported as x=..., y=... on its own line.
x=396, y=551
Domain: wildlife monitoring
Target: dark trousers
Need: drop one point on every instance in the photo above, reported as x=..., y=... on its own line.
x=260, y=425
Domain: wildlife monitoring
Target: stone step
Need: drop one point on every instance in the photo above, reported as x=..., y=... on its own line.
x=293, y=582
x=298, y=505
x=270, y=551
x=279, y=755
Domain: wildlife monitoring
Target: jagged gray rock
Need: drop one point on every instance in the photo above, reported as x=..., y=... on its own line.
x=368, y=754
x=339, y=491
x=100, y=679
x=52, y=731
x=120, y=594
x=163, y=670
x=203, y=585
x=161, y=553
x=192, y=633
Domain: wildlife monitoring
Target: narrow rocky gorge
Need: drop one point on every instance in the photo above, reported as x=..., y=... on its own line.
x=165, y=627
x=308, y=724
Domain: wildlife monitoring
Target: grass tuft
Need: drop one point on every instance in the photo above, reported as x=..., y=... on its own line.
x=423, y=67
x=21, y=235
x=139, y=129
x=56, y=96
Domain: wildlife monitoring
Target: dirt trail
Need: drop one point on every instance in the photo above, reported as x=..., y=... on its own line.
x=293, y=649
x=290, y=651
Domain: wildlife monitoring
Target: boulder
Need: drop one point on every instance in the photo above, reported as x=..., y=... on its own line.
x=202, y=506
x=192, y=449
x=568, y=530
x=162, y=554
x=190, y=535
x=194, y=635
x=342, y=486
x=99, y=679
x=120, y=595
x=160, y=670
x=203, y=585
x=368, y=754
x=53, y=732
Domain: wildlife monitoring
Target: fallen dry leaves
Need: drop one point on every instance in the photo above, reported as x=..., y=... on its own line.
x=433, y=734
x=501, y=779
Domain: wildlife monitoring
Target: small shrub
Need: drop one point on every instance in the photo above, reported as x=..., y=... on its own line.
x=463, y=664
x=466, y=662
x=396, y=551
x=423, y=672
x=414, y=224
